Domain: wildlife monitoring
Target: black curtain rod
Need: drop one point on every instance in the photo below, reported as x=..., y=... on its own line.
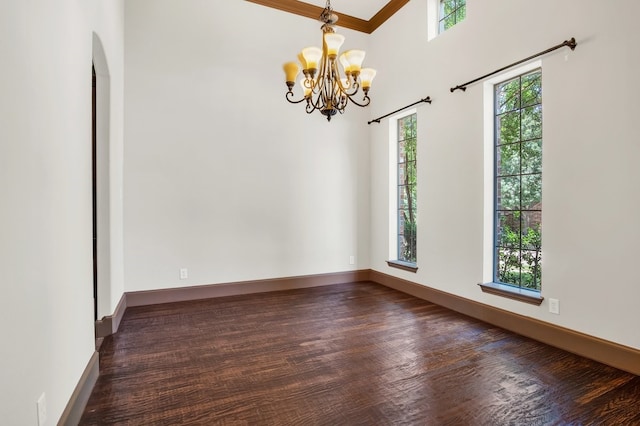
x=570, y=43
x=377, y=120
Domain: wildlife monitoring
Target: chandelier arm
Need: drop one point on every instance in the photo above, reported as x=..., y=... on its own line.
x=324, y=93
x=336, y=73
x=366, y=100
x=312, y=106
x=353, y=89
x=289, y=95
x=322, y=71
x=342, y=100
x=309, y=108
x=315, y=85
x=349, y=90
x=307, y=83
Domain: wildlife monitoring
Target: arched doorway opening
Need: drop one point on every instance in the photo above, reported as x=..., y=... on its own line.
x=101, y=200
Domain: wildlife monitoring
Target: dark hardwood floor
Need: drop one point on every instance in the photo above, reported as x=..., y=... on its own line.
x=353, y=354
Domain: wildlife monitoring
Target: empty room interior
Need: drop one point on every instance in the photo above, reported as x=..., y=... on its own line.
x=431, y=221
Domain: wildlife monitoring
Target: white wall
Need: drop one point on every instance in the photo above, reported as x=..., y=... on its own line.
x=45, y=183
x=590, y=175
x=224, y=176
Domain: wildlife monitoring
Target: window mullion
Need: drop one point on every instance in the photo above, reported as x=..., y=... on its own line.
x=517, y=177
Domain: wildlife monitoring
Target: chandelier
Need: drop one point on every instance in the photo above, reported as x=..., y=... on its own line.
x=324, y=87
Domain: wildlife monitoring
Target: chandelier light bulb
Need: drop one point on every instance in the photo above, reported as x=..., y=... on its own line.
x=355, y=58
x=333, y=42
x=312, y=56
x=366, y=77
x=346, y=66
x=291, y=70
x=302, y=61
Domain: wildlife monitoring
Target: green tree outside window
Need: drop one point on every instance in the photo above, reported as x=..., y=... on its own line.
x=518, y=181
x=451, y=12
x=407, y=197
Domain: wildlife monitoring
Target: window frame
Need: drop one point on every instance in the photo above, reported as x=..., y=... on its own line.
x=395, y=188
x=407, y=187
x=454, y=13
x=520, y=175
x=488, y=284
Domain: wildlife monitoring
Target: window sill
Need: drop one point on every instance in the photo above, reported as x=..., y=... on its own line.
x=520, y=294
x=411, y=267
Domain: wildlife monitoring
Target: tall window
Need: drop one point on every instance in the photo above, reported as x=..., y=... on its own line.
x=518, y=181
x=407, y=200
x=451, y=12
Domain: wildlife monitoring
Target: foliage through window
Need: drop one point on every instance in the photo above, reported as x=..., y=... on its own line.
x=407, y=200
x=451, y=12
x=518, y=181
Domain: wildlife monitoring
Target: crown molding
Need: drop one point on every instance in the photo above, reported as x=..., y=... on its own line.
x=346, y=21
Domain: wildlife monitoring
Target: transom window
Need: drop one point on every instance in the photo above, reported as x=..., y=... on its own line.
x=451, y=12
x=407, y=194
x=518, y=181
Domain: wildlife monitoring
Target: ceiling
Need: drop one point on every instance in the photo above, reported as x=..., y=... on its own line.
x=359, y=15
x=363, y=9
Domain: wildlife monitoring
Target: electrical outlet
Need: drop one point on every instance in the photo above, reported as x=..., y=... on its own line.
x=184, y=273
x=352, y=260
x=42, y=409
x=554, y=306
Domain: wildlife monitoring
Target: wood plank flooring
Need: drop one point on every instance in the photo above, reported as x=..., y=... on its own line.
x=352, y=354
